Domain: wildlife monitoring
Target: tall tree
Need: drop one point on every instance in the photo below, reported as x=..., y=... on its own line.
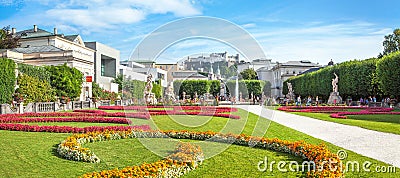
x=391, y=42
x=7, y=39
x=249, y=74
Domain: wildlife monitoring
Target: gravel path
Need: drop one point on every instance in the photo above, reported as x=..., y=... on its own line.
x=381, y=146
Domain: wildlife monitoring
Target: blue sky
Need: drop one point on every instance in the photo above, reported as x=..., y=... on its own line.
x=315, y=30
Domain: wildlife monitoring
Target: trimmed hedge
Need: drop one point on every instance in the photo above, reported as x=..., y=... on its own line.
x=199, y=86
x=388, y=73
x=356, y=79
x=7, y=76
x=246, y=87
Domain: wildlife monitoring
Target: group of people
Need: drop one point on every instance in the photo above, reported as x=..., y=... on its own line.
x=308, y=101
x=366, y=101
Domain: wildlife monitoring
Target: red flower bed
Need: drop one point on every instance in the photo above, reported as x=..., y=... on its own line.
x=342, y=115
x=191, y=108
x=68, y=129
x=66, y=119
x=176, y=110
x=331, y=109
x=339, y=111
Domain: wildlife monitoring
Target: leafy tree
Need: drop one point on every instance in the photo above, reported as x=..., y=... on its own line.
x=157, y=89
x=267, y=88
x=120, y=81
x=7, y=76
x=7, y=40
x=249, y=74
x=35, y=90
x=66, y=81
x=391, y=42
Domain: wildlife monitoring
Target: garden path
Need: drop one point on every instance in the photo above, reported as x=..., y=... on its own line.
x=381, y=146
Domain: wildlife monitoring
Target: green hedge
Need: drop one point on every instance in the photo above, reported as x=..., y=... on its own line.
x=135, y=88
x=190, y=87
x=7, y=76
x=356, y=79
x=246, y=87
x=388, y=73
x=35, y=71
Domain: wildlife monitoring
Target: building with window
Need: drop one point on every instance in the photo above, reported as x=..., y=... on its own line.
x=40, y=47
x=106, y=65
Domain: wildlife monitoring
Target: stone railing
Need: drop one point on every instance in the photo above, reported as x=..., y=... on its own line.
x=46, y=107
x=81, y=105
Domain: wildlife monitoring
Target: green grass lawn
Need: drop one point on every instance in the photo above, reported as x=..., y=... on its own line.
x=381, y=123
x=31, y=154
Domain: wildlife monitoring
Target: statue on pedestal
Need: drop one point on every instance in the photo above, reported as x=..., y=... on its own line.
x=290, y=94
x=149, y=97
x=170, y=93
x=334, y=97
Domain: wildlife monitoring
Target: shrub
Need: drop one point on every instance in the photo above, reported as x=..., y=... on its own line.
x=66, y=81
x=35, y=90
x=7, y=76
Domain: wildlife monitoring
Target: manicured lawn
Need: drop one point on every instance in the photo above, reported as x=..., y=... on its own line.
x=381, y=123
x=377, y=118
x=30, y=154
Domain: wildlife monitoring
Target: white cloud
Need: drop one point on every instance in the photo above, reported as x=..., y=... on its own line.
x=339, y=42
x=249, y=25
x=97, y=15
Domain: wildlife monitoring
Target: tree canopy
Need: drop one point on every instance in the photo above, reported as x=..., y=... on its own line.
x=249, y=74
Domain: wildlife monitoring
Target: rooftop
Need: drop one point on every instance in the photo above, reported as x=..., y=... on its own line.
x=37, y=49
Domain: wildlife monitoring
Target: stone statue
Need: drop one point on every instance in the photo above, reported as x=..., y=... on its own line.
x=334, y=83
x=334, y=97
x=170, y=92
x=290, y=94
x=149, y=97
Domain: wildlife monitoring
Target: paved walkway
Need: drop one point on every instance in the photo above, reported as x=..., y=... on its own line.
x=381, y=146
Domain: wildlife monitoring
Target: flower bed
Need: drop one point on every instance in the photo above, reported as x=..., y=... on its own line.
x=185, y=158
x=66, y=129
x=175, y=110
x=324, y=160
x=342, y=115
x=80, y=113
x=340, y=111
x=13, y=122
x=191, y=108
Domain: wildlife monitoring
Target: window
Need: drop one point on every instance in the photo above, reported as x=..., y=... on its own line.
x=103, y=67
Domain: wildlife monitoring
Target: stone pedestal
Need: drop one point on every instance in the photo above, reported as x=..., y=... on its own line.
x=334, y=98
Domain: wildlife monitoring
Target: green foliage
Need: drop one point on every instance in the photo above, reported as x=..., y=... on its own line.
x=134, y=87
x=246, y=87
x=267, y=88
x=356, y=79
x=120, y=81
x=34, y=71
x=215, y=87
x=7, y=41
x=35, y=90
x=190, y=87
x=157, y=89
x=388, y=73
x=249, y=74
x=7, y=76
x=66, y=81
x=101, y=94
x=392, y=42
